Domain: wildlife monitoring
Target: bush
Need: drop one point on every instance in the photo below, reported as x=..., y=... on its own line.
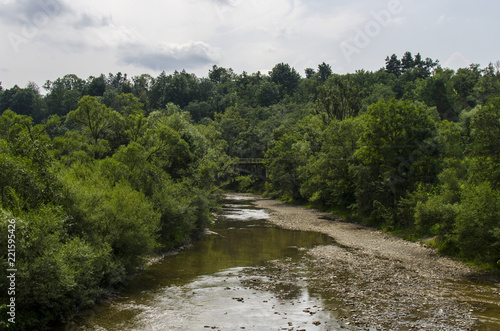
x=57, y=275
x=184, y=210
x=109, y=213
x=477, y=227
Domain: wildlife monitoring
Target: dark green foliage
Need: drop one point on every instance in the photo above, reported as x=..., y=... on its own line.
x=393, y=65
x=91, y=203
x=57, y=274
x=268, y=94
x=286, y=77
x=477, y=226
x=338, y=99
x=26, y=101
x=395, y=152
x=324, y=71
x=484, y=148
x=326, y=178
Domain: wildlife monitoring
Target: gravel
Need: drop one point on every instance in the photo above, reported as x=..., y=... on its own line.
x=384, y=282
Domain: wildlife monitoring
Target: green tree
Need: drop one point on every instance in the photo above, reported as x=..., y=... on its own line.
x=107, y=212
x=324, y=71
x=393, y=65
x=437, y=91
x=326, y=178
x=96, y=118
x=477, y=227
x=268, y=94
x=396, y=150
x=96, y=86
x=484, y=148
x=286, y=77
x=338, y=99
x=310, y=72
x=63, y=94
x=464, y=81
x=407, y=62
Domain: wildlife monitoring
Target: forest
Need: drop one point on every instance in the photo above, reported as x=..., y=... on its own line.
x=100, y=174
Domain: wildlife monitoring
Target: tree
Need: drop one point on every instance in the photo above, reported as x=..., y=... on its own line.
x=485, y=149
x=63, y=94
x=488, y=85
x=95, y=117
x=396, y=150
x=219, y=74
x=23, y=101
x=324, y=71
x=231, y=124
x=96, y=86
x=477, y=226
x=407, y=62
x=310, y=72
x=284, y=156
x=268, y=94
x=464, y=81
x=393, y=65
x=286, y=77
x=326, y=178
x=437, y=91
x=338, y=99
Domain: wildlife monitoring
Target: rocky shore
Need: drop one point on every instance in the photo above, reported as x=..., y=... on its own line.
x=385, y=283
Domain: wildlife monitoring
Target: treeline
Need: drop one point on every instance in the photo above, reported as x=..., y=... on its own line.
x=100, y=172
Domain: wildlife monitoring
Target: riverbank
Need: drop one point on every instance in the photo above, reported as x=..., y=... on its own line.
x=387, y=282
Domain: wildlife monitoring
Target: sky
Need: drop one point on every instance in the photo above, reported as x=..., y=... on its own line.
x=43, y=40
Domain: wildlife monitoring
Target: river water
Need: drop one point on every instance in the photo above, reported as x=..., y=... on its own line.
x=234, y=279
x=227, y=281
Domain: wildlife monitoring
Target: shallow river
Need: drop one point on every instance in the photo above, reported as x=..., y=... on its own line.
x=230, y=280
x=226, y=281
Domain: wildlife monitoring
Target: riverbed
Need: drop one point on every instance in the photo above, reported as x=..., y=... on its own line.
x=270, y=266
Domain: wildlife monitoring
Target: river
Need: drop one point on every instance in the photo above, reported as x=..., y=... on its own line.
x=246, y=275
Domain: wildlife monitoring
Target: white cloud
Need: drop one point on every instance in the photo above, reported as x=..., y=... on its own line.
x=457, y=60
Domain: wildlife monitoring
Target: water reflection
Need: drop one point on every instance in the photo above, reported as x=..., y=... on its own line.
x=223, y=282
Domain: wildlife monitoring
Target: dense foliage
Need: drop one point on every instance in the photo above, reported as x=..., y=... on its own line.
x=100, y=172
x=95, y=192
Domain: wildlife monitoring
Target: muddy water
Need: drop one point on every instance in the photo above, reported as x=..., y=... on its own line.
x=227, y=281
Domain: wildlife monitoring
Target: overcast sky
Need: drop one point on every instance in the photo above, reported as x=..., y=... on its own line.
x=46, y=39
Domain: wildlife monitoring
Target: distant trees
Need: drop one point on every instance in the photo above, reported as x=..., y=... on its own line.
x=418, y=67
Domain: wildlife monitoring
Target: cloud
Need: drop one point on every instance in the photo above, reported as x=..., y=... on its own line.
x=172, y=56
x=89, y=21
x=32, y=12
x=457, y=60
x=231, y=3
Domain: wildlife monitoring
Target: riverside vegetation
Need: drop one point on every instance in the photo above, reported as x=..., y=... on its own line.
x=100, y=173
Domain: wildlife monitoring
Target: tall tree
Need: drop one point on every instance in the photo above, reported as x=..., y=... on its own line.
x=393, y=65
x=324, y=71
x=338, y=99
x=395, y=152
x=95, y=117
x=286, y=77
x=407, y=62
